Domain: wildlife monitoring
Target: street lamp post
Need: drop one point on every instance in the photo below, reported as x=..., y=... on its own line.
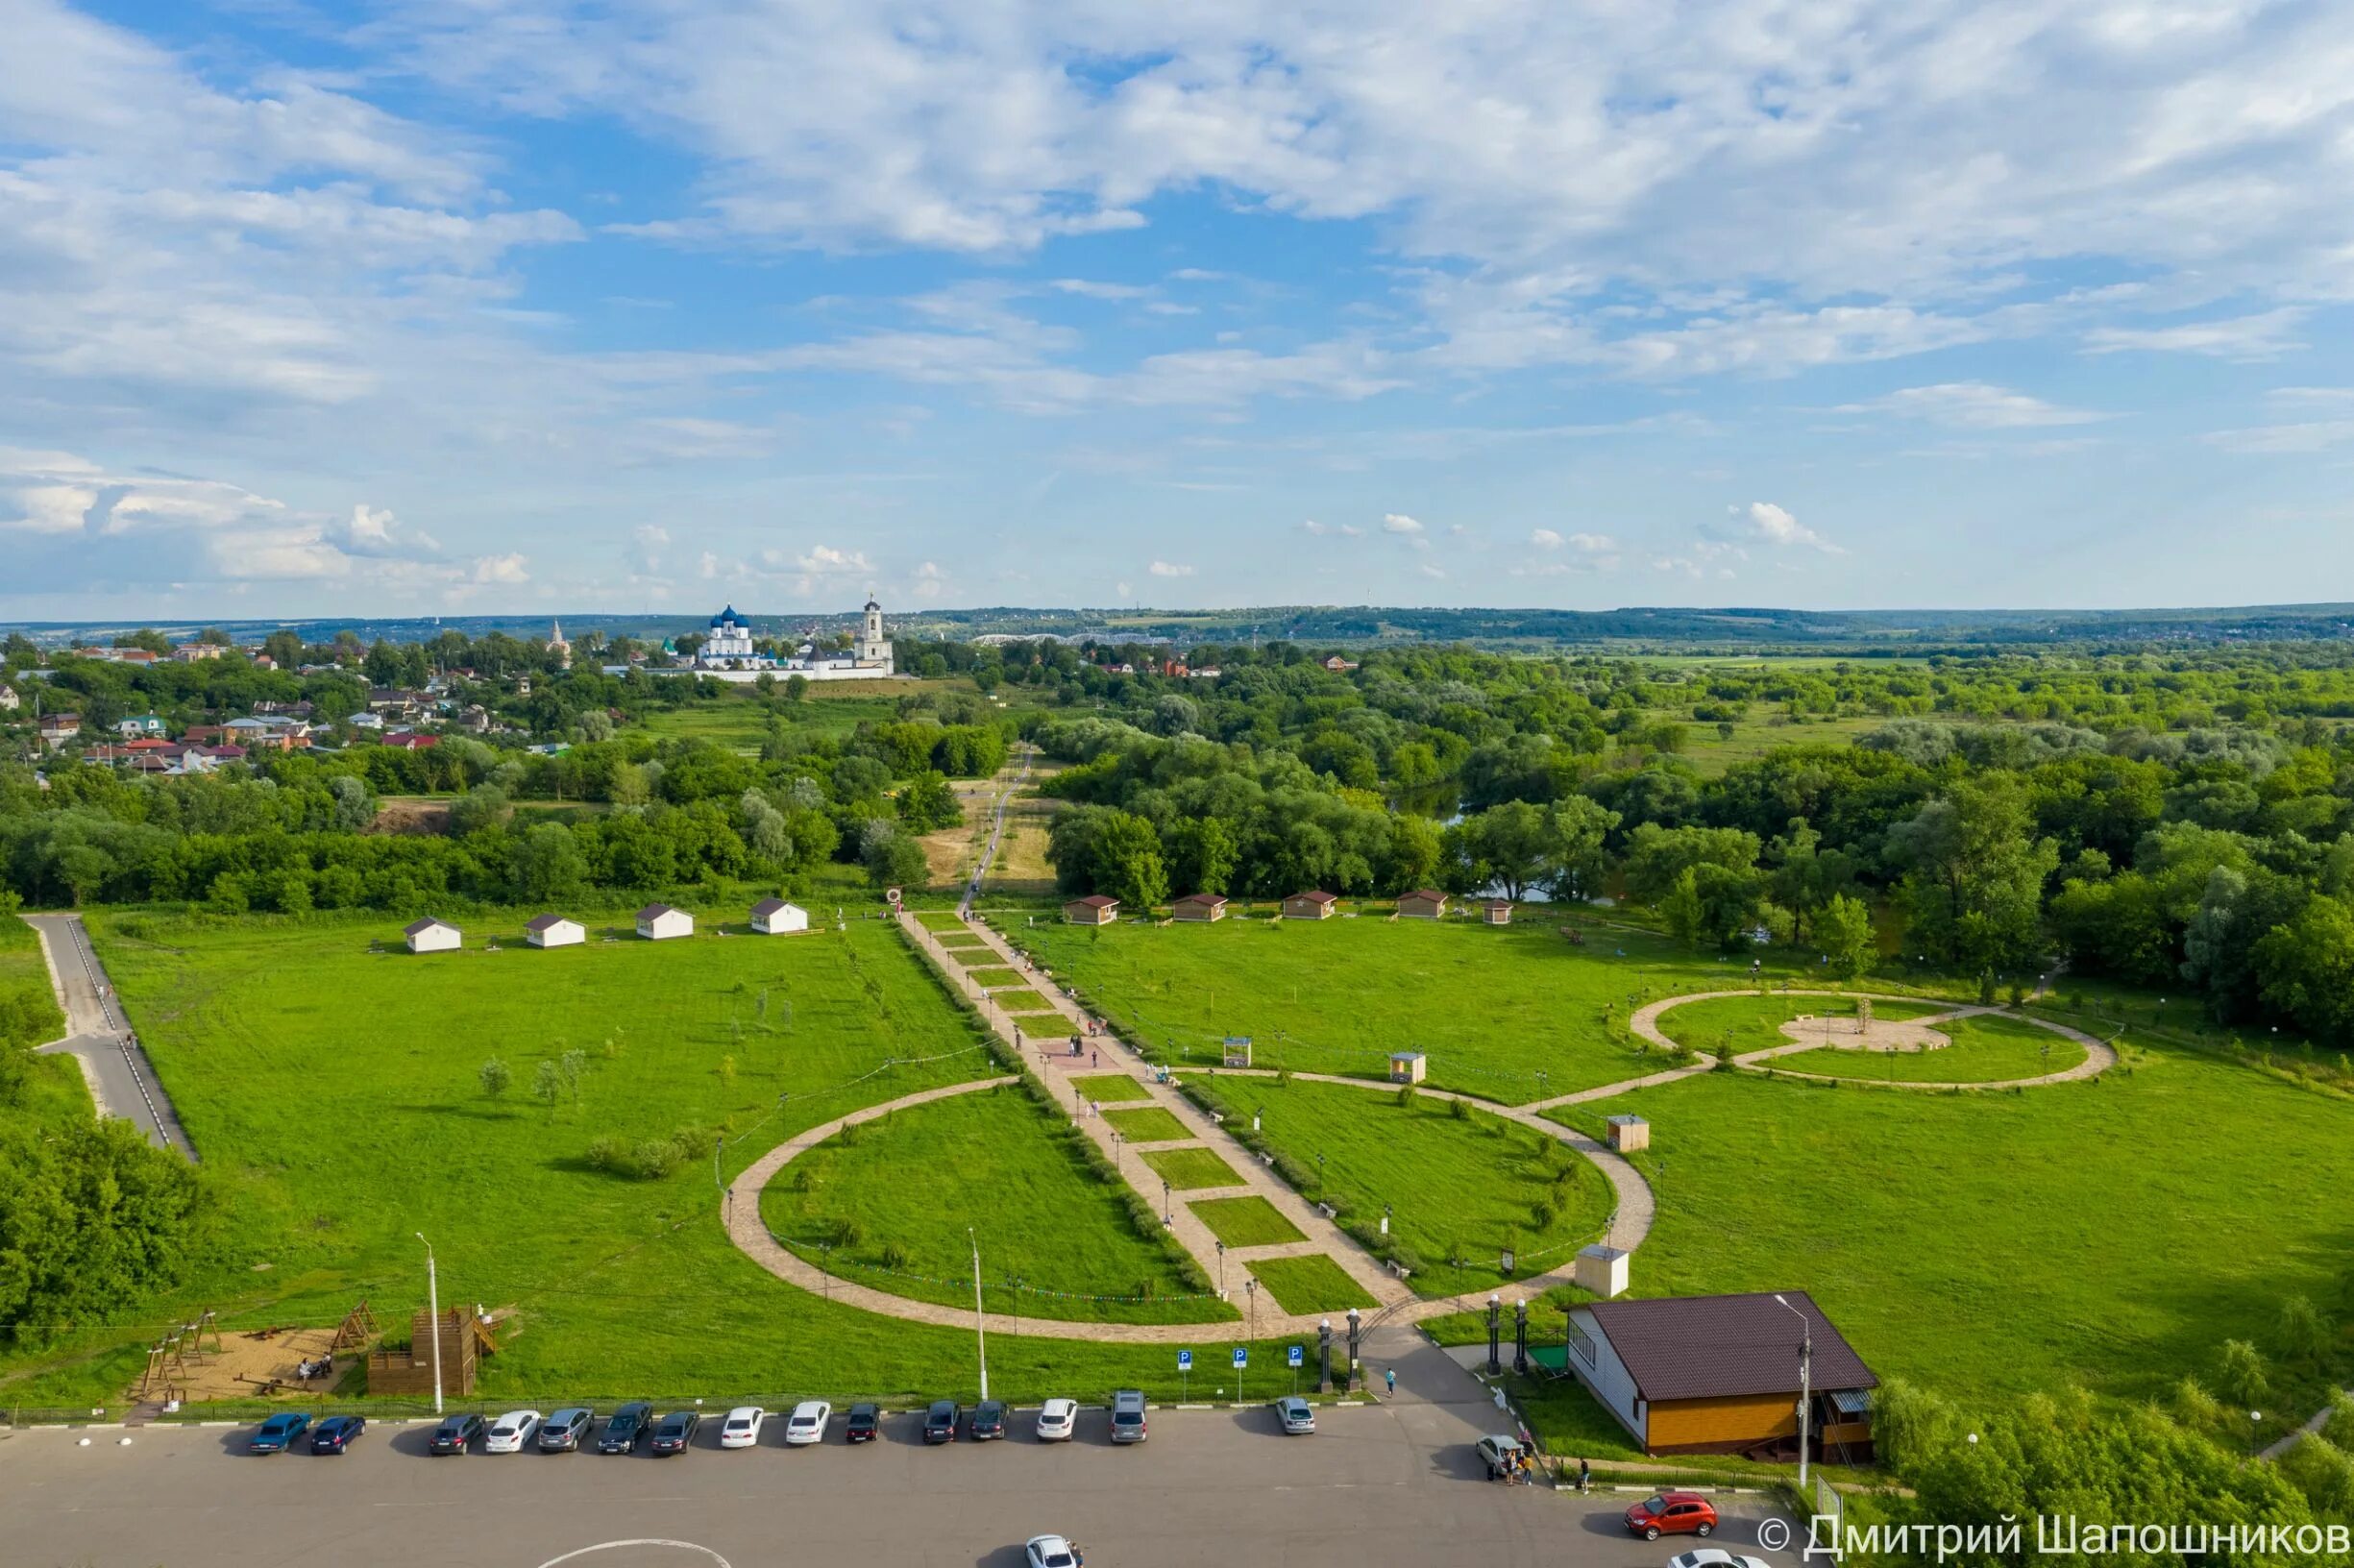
x=1116, y=1154
x=980, y=1330
x=1324, y=1353
x=1356, y=1325
x=432, y=1308
x=1806, y=1358
x=1168, y=1215
x=1495, y=1324
x=1221, y=1271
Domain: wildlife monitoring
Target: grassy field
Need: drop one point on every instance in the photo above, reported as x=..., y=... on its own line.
x=1512, y=1014
x=992, y=979
x=24, y=975
x=941, y=920
x=1150, y=1125
x=1311, y=1282
x=740, y=720
x=1110, y=1088
x=1190, y=1169
x=1020, y=866
x=1757, y=734
x=2111, y=1233
x=1246, y=1222
x=1036, y=1210
x=335, y=1098
x=1457, y=1187
x=1986, y=1049
x=1022, y=1001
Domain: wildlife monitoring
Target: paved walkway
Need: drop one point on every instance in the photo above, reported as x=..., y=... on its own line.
x=2312, y=1427
x=2098, y=1055
x=99, y=1038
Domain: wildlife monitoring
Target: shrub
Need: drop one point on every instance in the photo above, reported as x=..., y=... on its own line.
x=894, y=1256
x=654, y=1159
x=604, y=1154
x=2304, y=1333
x=2241, y=1371
x=496, y=1075
x=1460, y=1109
x=1542, y=1215
x=1404, y=1097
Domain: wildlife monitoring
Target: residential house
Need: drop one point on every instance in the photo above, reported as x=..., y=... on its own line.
x=1093, y=909
x=1199, y=906
x=9, y=699
x=366, y=720
x=554, y=931
x=1309, y=906
x=1338, y=665
x=138, y=725
x=1422, y=904
x=403, y=740
x=1721, y=1374
x=660, y=922
x=205, y=734
x=430, y=936
x=192, y=652
x=56, y=728
x=774, y=918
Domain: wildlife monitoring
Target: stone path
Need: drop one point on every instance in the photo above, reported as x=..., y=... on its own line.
x=98, y=1036
x=1046, y=1042
x=2098, y=1055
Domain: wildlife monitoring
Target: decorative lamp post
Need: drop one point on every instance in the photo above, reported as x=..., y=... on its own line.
x=1357, y=1329
x=1520, y=1336
x=1221, y=1270
x=1495, y=1329
x=1324, y=1352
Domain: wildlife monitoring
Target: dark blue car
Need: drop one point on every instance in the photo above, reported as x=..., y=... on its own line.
x=278, y=1433
x=335, y=1435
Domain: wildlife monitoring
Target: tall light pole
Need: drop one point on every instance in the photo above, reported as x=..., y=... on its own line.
x=1221, y=1271
x=980, y=1331
x=1806, y=1359
x=432, y=1310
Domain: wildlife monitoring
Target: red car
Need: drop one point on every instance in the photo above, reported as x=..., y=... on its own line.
x=1672, y=1513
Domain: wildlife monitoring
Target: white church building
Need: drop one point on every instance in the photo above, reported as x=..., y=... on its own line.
x=728, y=653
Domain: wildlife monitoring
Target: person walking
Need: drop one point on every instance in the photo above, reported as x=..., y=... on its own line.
x=1586, y=1476
x=1389, y=1375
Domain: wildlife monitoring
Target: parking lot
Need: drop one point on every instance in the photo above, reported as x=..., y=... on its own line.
x=1375, y=1486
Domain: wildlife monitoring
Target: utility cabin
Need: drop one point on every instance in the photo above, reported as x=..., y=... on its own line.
x=430, y=936
x=1237, y=1052
x=1422, y=904
x=660, y=922
x=554, y=931
x=1096, y=909
x=775, y=917
x=1720, y=1375
x=1496, y=912
x=1311, y=906
x=1408, y=1066
x=1199, y=907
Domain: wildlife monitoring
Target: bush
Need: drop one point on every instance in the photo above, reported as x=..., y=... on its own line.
x=654, y=1159
x=495, y=1075
x=2241, y=1372
x=894, y=1256
x=604, y=1154
x=1460, y=1109
x=1404, y=1097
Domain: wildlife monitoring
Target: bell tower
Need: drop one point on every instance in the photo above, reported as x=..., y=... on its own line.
x=873, y=650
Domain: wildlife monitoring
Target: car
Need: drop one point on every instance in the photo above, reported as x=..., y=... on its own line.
x=1672, y=1513
x=674, y=1433
x=626, y=1427
x=453, y=1433
x=939, y=1422
x=1128, y=1423
x=742, y=1429
x=1057, y=1420
x=806, y=1424
x=277, y=1433
x=335, y=1435
x=988, y=1423
x=511, y=1431
x=564, y=1432
x=1501, y=1454
x=1051, y=1551
x=1298, y=1417
x=865, y=1423
x=1714, y=1556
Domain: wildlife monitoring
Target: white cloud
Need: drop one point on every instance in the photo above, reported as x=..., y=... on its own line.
x=825, y=561
x=1589, y=553
x=506, y=567
x=1975, y=406
x=1772, y=524
x=2262, y=336
x=1170, y=569
x=1333, y=531
x=929, y=582
x=1398, y=523
x=1432, y=572
x=2310, y=435
x=1545, y=539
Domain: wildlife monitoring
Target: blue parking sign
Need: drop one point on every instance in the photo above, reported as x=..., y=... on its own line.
x=1185, y=1360
x=1242, y=1357
x=1295, y=1354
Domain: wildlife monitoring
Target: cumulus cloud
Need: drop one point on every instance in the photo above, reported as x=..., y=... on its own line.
x=929, y=581
x=506, y=567
x=1333, y=531
x=1768, y=524
x=1398, y=523
x=1584, y=553
x=1973, y=405
x=1170, y=569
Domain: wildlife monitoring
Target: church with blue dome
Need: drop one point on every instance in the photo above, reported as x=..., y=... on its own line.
x=730, y=652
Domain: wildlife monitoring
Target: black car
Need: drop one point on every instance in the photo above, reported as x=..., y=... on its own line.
x=865, y=1423
x=939, y=1422
x=453, y=1433
x=987, y=1420
x=627, y=1429
x=674, y=1433
x=335, y=1435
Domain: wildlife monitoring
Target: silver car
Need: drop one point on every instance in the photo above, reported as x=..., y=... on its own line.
x=1299, y=1417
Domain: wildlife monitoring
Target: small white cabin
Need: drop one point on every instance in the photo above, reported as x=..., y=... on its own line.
x=430, y=936
x=659, y=922
x=774, y=918
x=554, y=931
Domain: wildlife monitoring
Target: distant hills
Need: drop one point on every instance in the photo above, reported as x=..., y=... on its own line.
x=1633, y=630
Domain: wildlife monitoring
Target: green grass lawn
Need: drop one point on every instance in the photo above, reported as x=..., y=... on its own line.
x=1493, y=1007
x=1022, y=1001
x=993, y=979
x=334, y=1098
x=1036, y=1210
x=1110, y=1088
x=1741, y=1025
x=978, y=956
x=941, y=920
x=954, y=943
x=1457, y=1188
x=1309, y=1283
x=2111, y=1233
x=1988, y=1047
x=1190, y=1169
x=1150, y=1125
x=24, y=975
x=1246, y=1222
x=740, y=720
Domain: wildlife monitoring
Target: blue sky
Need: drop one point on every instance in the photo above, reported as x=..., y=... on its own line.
x=647, y=305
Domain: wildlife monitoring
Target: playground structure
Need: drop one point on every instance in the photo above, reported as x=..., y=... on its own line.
x=199, y=1361
x=465, y=1338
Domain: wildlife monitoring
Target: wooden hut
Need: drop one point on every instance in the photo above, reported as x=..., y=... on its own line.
x=1199, y=907
x=1422, y=904
x=1093, y=909
x=1496, y=912
x=1311, y=906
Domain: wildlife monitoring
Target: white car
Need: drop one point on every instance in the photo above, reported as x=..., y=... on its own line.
x=743, y=1427
x=1057, y=1420
x=1714, y=1556
x=807, y=1423
x=1052, y=1552
x=511, y=1431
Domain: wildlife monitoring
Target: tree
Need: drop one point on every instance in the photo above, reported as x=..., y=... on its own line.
x=496, y=1076
x=1972, y=893
x=2305, y=970
x=892, y=859
x=1128, y=864
x=1714, y=904
x=796, y=686
x=548, y=1084
x=2240, y=1372
x=1843, y=932
x=928, y=802
x=1657, y=856
x=548, y=867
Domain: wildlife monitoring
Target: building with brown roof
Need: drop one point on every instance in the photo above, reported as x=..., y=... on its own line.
x=1496, y=912
x=1309, y=906
x=1093, y=909
x=1721, y=1374
x=1422, y=904
x=1199, y=906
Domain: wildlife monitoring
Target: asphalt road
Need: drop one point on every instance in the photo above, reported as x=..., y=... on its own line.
x=1378, y=1487
x=122, y=1081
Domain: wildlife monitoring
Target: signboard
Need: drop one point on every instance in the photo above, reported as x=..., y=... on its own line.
x=1185, y=1360
x=892, y=894
x=1295, y=1357
x=1242, y=1357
